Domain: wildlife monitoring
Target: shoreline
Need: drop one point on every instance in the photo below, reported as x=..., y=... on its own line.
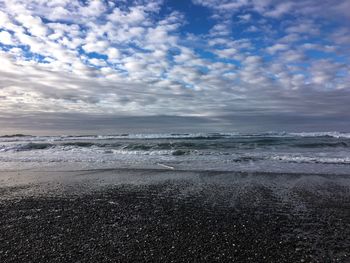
x=167, y=218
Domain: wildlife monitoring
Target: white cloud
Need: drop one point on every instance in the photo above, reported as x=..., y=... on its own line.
x=6, y=38
x=277, y=8
x=113, y=53
x=33, y=24
x=280, y=9
x=245, y=17
x=135, y=16
x=277, y=47
x=229, y=53
x=222, y=29
x=304, y=27
x=98, y=47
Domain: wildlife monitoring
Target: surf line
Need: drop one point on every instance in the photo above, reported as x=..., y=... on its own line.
x=166, y=166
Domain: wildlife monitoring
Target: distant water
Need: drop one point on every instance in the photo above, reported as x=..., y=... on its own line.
x=327, y=152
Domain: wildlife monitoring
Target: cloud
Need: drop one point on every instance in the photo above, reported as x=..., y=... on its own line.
x=277, y=47
x=6, y=38
x=141, y=58
x=278, y=8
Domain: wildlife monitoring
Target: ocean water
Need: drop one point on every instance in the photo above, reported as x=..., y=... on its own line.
x=318, y=153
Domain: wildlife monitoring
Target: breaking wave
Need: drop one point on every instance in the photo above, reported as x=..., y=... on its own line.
x=216, y=144
x=326, y=152
x=306, y=159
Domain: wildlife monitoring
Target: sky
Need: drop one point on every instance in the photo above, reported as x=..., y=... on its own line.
x=106, y=66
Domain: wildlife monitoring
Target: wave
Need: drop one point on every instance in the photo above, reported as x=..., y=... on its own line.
x=26, y=147
x=307, y=159
x=179, y=151
x=184, y=136
x=183, y=145
x=78, y=144
x=340, y=144
x=15, y=135
x=334, y=134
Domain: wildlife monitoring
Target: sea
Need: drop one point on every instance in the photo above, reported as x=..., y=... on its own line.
x=275, y=152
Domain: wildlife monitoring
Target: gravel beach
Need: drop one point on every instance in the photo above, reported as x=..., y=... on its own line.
x=172, y=216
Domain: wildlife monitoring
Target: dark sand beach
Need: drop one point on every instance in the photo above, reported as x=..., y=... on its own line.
x=173, y=216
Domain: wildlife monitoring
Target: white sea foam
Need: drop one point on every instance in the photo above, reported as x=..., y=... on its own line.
x=308, y=159
x=322, y=134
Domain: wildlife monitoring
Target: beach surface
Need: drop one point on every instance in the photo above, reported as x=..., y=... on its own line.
x=164, y=215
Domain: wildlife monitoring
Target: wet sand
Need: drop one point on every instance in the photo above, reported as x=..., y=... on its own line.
x=171, y=216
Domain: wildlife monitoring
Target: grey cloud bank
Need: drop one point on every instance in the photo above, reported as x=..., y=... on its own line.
x=80, y=124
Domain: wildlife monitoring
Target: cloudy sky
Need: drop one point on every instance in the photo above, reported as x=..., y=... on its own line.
x=176, y=65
